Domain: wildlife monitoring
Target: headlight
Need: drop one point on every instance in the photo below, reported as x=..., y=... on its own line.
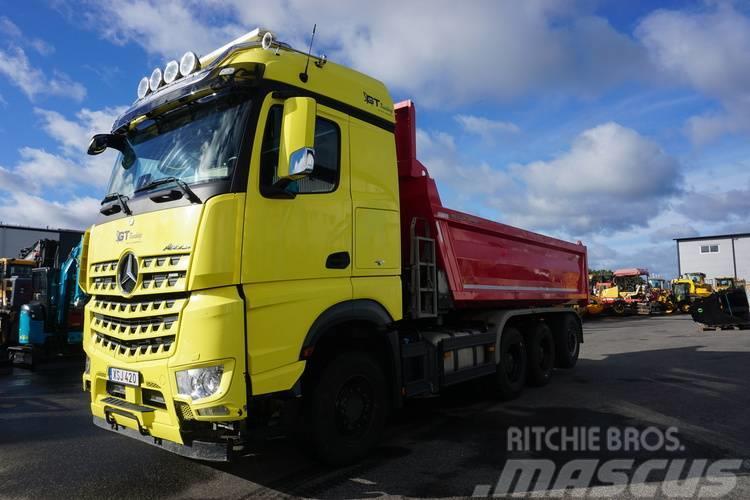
x=88, y=365
x=171, y=72
x=199, y=383
x=189, y=63
x=155, y=80
x=143, y=87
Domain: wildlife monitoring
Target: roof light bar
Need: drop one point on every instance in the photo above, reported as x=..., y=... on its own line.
x=156, y=79
x=171, y=71
x=143, y=87
x=190, y=62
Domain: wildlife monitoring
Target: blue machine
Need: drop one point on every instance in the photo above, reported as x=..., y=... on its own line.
x=53, y=321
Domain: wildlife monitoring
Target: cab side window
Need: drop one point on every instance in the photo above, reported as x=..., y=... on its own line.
x=325, y=175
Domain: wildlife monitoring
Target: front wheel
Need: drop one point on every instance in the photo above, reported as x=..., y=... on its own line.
x=346, y=408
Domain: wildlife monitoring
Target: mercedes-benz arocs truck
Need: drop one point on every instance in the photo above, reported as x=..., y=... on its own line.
x=271, y=250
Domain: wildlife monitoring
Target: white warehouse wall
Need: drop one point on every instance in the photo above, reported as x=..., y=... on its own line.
x=716, y=264
x=742, y=251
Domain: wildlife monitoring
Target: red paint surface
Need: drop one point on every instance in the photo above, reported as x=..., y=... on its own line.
x=486, y=263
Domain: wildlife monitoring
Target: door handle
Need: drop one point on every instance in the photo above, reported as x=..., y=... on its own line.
x=338, y=260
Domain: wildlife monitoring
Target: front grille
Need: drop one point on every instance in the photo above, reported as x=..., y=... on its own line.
x=184, y=411
x=156, y=274
x=157, y=345
x=151, y=324
x=137, y=328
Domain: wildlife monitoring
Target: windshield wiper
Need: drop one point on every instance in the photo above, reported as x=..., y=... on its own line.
x=171, y=180
x=116, y=202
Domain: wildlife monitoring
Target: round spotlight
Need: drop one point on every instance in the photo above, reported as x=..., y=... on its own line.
x=189, y=63
x=266, y=41
x=171, y=72
x=143, y=87
x=155, y=80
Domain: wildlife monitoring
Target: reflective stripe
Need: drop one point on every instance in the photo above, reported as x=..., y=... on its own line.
x=468, y=286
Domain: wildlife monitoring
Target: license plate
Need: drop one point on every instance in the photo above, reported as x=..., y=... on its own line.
x=125, y=376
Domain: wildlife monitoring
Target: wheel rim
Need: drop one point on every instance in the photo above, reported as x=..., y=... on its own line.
x=354, y=407
x=513, y=362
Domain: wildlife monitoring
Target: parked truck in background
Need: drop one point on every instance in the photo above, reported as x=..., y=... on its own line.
x=51, y=324
x=271, y=249
x=15, y=290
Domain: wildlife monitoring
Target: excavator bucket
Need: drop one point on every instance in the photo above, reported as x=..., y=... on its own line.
x=725, y=309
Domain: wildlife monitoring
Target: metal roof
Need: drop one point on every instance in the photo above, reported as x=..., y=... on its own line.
x=715, y=237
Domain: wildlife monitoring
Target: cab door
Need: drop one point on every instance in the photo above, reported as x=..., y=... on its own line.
x=297, y=242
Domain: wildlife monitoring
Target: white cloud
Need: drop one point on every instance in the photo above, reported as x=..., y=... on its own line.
x=612, y=179
x=12, y=31
x=672, y=231
x=160, y=26
x=727, y=206
x=444, y=52
x=486, y=128
x=43, y=187
x=9, y=28
x=16, y=67
x=74, y=136
x=26, y=209
x=437, y=150
x=707, y=50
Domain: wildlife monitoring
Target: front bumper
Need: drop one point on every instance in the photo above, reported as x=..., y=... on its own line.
x=211, y=332
x=201, y=450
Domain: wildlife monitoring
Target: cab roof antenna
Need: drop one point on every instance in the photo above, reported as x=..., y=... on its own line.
x=303, y=75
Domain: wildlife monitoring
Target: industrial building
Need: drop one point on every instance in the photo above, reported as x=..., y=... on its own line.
x=716, y=256
x=15, y=238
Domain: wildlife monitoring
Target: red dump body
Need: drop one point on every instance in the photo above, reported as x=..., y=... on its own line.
x=487, y=264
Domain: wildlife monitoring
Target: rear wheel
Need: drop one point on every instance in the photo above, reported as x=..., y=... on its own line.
x=511, y=370
x=568, y=343
x=541, y=353
x=346, y=408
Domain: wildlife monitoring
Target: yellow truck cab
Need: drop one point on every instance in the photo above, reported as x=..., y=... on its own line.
x=247, y=263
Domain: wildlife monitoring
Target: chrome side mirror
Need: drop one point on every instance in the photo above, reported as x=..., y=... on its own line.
x=296, y=153
x=301, y=163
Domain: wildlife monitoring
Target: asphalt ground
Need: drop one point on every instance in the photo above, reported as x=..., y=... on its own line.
x=656, y=375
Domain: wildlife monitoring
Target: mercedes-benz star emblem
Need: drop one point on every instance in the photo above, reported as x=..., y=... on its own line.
x=127, y=273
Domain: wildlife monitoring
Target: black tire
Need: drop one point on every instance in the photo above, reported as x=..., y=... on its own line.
x=346, y=408
x=568, y=342
x=511, y=370
x=619, y=308
x=541, y=354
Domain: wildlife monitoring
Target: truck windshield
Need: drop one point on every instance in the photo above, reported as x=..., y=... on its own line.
x=195, y=143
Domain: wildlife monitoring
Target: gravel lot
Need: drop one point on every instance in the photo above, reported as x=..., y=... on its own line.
x=636, y=372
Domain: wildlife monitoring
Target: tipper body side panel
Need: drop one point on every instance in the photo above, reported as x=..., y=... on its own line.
x=486, y=264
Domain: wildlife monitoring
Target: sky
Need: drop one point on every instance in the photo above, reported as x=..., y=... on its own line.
x=619, y=124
